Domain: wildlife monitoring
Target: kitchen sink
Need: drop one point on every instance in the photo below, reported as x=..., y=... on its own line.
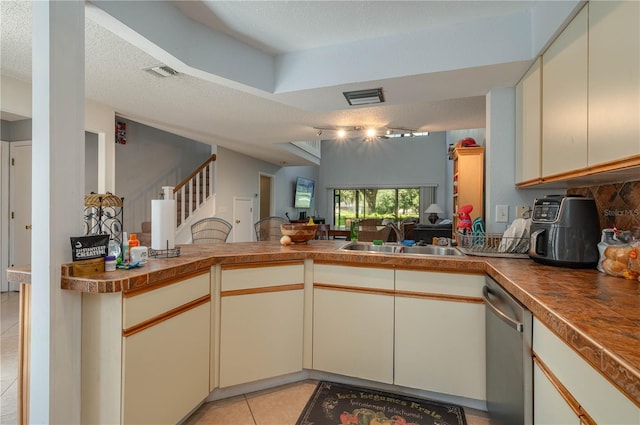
x=401, y=249
x=431, y=250
x=355, y=246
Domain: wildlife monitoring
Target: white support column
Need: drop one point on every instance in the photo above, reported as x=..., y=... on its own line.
x=58, y=185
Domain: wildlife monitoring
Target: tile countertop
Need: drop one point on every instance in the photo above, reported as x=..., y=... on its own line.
x=597, y=315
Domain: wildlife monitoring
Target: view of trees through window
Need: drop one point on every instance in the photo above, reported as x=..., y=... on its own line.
x=396, y=204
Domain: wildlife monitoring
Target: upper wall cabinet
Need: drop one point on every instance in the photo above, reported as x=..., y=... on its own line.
x=528, y=124
x=564, y=99
x=614, y=80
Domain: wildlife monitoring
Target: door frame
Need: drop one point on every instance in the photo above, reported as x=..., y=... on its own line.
x=272, y=191
x=8, y=207
x=4, y=214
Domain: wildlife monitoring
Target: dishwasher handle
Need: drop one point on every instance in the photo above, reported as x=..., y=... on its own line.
x=508, y=320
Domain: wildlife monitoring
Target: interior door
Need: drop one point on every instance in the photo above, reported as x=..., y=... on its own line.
x=20, y=204
x=243, y=220
x=266, y=201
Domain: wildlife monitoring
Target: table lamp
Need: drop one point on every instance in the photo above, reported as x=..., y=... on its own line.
x=433, y=210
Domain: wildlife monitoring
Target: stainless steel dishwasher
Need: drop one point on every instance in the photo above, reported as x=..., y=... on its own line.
x=509, y=327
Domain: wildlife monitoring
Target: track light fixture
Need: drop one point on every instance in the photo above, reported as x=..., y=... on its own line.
x=369, y=133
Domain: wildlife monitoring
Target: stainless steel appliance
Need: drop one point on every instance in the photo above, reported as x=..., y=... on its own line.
x=565, y=231
x=509, y=328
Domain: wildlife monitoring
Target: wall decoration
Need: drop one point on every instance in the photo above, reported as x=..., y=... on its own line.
x=121, y=132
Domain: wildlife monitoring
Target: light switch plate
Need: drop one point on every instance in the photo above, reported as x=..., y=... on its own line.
x=502, y=213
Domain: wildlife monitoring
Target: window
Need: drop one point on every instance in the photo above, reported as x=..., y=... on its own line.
x=396, y=203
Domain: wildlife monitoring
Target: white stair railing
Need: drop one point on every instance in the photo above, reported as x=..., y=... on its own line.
x=194, y=191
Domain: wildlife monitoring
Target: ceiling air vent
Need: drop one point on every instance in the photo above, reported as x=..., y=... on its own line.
x=364, y=97
x=161, y=71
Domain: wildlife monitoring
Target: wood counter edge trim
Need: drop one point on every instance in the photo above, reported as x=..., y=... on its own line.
x=396, y=293
x=24, y=354
x=277, y=263
x=128, y=293
x=262, y=290
x=353, y=264
x=166, y=316
x=440, y=297
x=564, y=392
x=615, y=165
x=358, y=289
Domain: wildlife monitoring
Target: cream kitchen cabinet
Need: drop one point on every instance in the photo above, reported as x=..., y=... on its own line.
x=353, y=321
x=564, y=99
x=440, y=333
x=550, y=406
x=261, y=321
x=529, y=124
x=614, y=80
x=592, y=398
x=145, y=354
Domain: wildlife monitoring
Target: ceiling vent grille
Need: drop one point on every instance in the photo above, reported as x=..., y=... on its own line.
x=364, y=97
x=161, y=71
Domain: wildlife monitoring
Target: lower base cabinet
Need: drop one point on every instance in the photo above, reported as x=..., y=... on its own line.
x=166, y=369
x=585, y=392
x=353, y=321
x=145, y=355
x=440, y=333
x=261, y=321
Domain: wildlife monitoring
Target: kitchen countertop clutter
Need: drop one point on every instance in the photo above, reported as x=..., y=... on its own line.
x=597, y=315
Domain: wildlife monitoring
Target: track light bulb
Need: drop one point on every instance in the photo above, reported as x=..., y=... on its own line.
x=342, y=133
x=319, y=132
x=371, y=132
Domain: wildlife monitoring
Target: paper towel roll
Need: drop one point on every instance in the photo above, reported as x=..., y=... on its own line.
x=163, y=224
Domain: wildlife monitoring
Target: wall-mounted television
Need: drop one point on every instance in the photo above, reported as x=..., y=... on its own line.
x=304, y=192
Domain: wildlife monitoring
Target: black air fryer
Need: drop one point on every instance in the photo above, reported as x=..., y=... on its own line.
x=565, y=231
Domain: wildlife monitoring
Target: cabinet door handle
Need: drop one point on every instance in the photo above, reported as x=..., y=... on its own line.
x=27, y=227
x=237, y=221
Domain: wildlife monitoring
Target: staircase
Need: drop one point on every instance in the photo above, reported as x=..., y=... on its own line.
x=194, y=191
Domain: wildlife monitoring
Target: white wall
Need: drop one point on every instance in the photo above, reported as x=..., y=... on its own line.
x=150, y=159
x=238, y=175
x=408, y=162
x=285, y=189
x=500, y=160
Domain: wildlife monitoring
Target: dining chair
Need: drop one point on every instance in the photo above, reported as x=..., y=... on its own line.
x=210, y=230
x=323, y=231
x=268, y=228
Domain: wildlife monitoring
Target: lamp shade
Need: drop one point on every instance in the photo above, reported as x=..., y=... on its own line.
x=434, y=209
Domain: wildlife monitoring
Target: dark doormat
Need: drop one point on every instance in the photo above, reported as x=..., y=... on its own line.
x=339, y=404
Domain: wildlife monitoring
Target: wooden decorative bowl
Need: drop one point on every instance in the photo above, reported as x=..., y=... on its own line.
x=299, y=233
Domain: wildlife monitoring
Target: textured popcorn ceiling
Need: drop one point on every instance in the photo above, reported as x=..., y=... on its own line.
x=205, y=106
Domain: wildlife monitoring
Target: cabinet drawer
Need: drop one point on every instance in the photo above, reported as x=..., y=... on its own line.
x=265, y=275
x=146, y=305
x=468, y=285
x=360, y=277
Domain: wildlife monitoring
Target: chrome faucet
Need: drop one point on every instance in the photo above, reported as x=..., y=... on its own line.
x=398, y=231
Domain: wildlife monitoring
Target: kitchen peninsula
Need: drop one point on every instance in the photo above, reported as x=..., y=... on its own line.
x=596, y=317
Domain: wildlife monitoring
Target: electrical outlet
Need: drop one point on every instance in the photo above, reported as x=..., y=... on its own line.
x=523, y=211
x=502, y=213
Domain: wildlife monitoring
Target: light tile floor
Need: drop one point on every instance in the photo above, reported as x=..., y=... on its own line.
x=276, y=406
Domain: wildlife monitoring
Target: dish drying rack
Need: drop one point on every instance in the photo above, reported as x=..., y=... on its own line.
x=493, y=245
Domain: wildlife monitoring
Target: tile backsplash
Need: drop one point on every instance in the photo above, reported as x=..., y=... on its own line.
x=618, y=204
